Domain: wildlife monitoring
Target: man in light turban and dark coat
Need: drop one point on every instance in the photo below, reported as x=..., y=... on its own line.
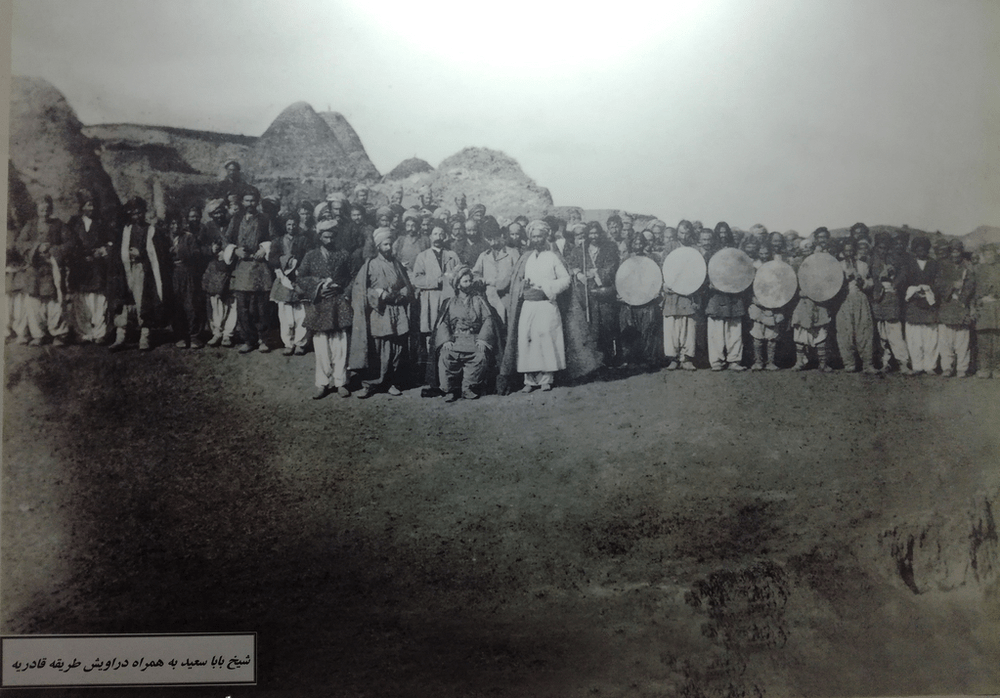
x=323, y=283
x=539, y=310
x=381, y=297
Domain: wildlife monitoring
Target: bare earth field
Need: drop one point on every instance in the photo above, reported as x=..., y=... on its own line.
x=717, y=535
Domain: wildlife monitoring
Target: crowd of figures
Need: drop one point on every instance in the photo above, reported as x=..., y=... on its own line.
x=462, y=304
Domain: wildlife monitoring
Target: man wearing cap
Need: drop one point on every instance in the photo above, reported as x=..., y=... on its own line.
x=855, y=328
x=958, y=286
x=987, y=309
x=191, y=252
x=323, y=282
x=724, y=313
x=247, y=242
x=93, y=241
x=215, y=280
x=284, y=258
x=680, y=313
x=136, y=275
x=232, y=183
x=471, y=245
x=494, y=268
x=46, y=247
x=381, y=300
x=889, y=282
x=466, y=339
x=411, y=242
x=432, y=273
x=922, y=301
x=594, y=264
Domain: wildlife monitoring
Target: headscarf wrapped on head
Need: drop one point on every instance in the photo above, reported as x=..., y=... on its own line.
x=477, y=207
x=411, y=213
x=458, y=274
x=213, y=205
x=383, y=211
x=326, y=225
x=320, y=207
x=538, y=225
x=381, y=235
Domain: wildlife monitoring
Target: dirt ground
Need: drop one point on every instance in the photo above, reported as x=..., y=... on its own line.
x=660, y=534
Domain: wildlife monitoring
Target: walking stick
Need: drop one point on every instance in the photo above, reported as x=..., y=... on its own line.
x=586, y=286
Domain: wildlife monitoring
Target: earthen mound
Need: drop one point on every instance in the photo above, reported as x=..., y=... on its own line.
x=408, y=168
x=49, y=149
x=361, y=165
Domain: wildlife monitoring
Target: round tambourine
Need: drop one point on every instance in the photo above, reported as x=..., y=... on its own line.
x=731, y=270
x=684, y=271
x=775, y=284
x=821, y=277
x=638, y=280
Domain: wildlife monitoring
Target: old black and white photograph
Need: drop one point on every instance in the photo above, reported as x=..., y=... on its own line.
x=516, y=349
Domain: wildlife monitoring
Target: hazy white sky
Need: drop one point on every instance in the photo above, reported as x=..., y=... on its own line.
x=794, y=114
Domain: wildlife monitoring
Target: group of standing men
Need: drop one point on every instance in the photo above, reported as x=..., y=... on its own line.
x=456, y=302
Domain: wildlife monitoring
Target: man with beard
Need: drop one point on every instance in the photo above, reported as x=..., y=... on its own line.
x=46, y=246
x=432, y=272
x=381, y=297
x=215, y=280
x=469, y=247
x=641, y=325
x=136, y=283
x=921, y=299
x=987, y=314
x=323, y=282
x=233, y=183
x=855, y=331
x=93, y=242
x=191, y=251
x=252, y=278
x=724, y=314
x=495, y=267
x=466, y=338
x=593, y=265
x=958, y=286
x=411, y=242
x=284, y=256
x=535, y=341
x=889, y=279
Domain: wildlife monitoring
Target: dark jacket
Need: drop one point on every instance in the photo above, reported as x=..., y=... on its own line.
x=325, y=314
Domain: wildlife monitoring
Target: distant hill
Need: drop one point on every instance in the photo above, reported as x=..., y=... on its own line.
x=983, y=235
x=408, y=168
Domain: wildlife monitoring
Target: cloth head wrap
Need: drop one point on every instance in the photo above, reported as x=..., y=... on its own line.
x=382, y=235
x=411, y=213
x=477, y=207
x=324, y=206
x=383, y=211
x=326, y=225
x=459, y=273
x=214, y=205
x=538, y=225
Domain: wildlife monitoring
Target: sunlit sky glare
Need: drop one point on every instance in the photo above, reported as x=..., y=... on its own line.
x=789, y=113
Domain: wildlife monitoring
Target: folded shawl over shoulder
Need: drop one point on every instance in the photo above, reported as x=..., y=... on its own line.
x=582, y=356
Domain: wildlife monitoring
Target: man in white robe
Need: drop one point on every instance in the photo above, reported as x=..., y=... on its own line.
x=540, y=346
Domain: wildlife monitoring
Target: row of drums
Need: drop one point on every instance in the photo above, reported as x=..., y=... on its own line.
x=639, y=279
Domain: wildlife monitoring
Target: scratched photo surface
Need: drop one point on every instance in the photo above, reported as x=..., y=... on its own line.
x=634, y=531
